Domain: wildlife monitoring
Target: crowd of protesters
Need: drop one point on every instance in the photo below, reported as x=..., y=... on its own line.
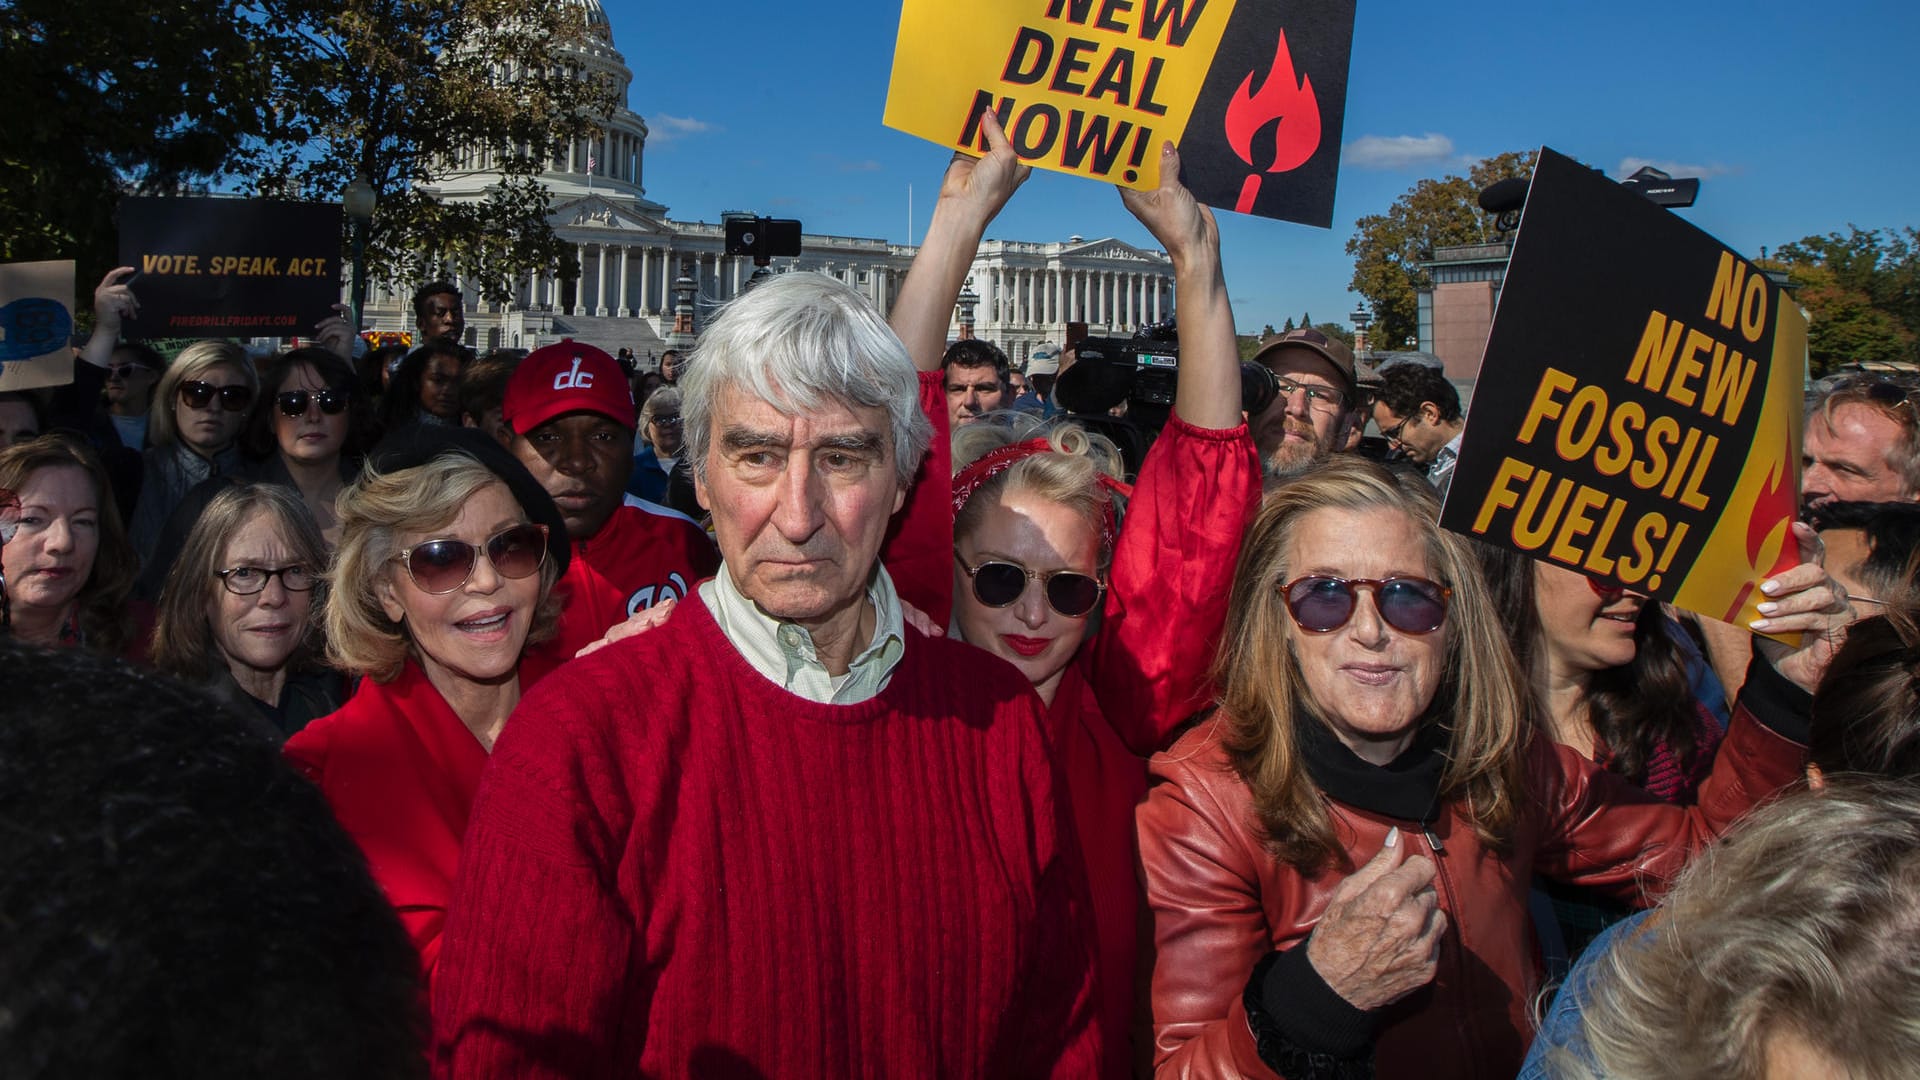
x=835, y=702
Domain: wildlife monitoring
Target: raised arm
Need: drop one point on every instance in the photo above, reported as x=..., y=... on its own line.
x=1208, y=392
x=971, y=195
x=113, y=302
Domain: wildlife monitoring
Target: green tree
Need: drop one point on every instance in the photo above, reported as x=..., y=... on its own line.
x=1862, y=294
x=141, y=96
x=1337, y=332
x=1388, y=248
x=1288, y=327
x=397, y=90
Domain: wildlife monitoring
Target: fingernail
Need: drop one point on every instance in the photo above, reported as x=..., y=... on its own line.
x=1393, y=837
x=1767, y=608
x=1166, y=149
x=1760, y=624
x=1769, y=587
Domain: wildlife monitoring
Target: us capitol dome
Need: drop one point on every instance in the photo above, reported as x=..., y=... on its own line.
x=637, y=265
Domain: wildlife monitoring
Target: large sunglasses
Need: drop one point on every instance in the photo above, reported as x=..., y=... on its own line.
x=999, y=584
x=441, y=566
x=126, y=371
x=198, y=395
x=293, y=403
x=1411, y=605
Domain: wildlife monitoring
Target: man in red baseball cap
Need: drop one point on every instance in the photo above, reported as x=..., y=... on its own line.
x=572, y=417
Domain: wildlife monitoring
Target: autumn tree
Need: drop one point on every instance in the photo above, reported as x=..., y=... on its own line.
x=1388, y=248
x=1862, y=294
x=396, y=91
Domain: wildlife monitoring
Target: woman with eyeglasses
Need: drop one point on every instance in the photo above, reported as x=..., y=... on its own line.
x=1039, y=548
x=237, y=612
x=1338, y=860
x=198, y=409
x=65, y=563
x=449, y=550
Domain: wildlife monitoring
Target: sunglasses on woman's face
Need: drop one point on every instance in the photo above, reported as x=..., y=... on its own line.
x=1411, y=605
x=441, y=566
x=198, y=395
x=293, y=403
x=999, y=584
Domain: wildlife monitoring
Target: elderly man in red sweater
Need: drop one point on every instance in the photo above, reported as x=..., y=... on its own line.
x=789, y=835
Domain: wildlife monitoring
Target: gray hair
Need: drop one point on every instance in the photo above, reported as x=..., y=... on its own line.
x=1800, y=923
x=796, y=341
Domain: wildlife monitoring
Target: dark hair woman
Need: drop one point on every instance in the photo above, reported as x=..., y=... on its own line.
x=426, y=388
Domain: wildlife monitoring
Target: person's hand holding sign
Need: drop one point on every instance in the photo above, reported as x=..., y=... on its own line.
x=971, y=193
x=333, y=334
x=1807, y=601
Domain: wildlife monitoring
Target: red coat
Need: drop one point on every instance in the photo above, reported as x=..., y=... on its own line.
x=1145, y=671
x=400, y=770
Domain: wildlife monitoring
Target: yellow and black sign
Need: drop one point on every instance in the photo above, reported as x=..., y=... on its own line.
x=214, y=267
x=1252, y=93
x=1637, y=415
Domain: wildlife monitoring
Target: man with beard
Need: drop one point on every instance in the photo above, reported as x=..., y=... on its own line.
x=1310, y=417
x=572, y=417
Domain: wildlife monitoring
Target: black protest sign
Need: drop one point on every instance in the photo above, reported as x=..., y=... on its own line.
x=1637, y=414
x=239, y=267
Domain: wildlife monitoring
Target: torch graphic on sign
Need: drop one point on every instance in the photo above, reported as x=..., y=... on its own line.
x=1285, y=107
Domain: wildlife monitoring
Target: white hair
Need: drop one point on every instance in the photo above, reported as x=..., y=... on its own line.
x=798, y=340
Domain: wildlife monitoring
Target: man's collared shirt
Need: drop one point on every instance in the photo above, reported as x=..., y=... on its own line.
x=784, y=652
x=1440, y=473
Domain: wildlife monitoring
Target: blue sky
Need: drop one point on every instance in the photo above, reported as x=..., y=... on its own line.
x=1799, y=118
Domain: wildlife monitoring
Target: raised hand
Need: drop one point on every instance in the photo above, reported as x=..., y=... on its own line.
x=333, y=334
x=1176, y=219
x=113, y=300
x=1379, y=939
x=978, y=187
x=1804, y=600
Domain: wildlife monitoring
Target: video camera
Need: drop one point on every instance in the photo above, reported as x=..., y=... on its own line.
x=1144, y=372
x=761, y=239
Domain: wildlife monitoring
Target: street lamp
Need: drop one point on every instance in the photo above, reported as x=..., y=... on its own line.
x=1362, y=318
x=966, y=302
x=357, y=199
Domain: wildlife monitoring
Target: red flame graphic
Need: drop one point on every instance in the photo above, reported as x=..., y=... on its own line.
x=1286, y=102
x=1773, y=512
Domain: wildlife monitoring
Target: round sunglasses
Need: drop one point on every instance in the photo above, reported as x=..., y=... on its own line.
x=249, y=580
x=198, y=395
x=293, y=403
x=441, y=566
x=999, y=584
x=1411, y=605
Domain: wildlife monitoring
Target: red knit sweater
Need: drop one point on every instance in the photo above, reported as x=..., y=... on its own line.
x=677, y=868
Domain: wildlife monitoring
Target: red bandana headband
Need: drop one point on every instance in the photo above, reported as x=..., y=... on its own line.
x=989, y=465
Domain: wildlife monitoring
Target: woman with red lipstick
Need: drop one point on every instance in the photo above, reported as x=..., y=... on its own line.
x=1612, y=678
x=1037, y=549
x=448, y=553
x=67, y=567
x=237, y=616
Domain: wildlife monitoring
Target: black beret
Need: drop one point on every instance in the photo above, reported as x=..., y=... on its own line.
x=417, y=444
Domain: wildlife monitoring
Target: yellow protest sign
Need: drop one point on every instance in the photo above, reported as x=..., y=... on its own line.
x=1253, y=95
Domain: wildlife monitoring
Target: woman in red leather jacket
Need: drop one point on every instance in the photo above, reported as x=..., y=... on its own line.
x=1338, y=862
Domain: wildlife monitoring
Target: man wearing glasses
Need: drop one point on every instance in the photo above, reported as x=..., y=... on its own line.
x=1861, y=444
x=1318, y=395
x=1418, y=411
